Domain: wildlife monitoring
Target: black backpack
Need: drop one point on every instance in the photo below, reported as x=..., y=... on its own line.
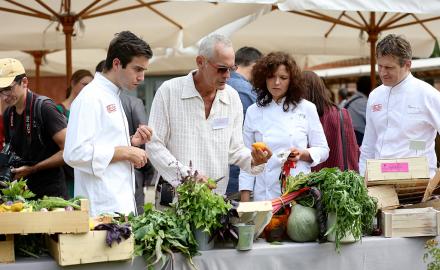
x=37, y=121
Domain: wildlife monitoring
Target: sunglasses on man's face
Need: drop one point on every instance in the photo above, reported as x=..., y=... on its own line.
x=222, y=69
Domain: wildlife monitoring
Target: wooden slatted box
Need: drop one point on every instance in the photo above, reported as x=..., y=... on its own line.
x=410, y=176
x=72, y=249
x=411, y=222
x=46, y=222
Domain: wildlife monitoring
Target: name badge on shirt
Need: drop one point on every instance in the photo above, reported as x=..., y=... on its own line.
x=220, y=123
x=417, y=145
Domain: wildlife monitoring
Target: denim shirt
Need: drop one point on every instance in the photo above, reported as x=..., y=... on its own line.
x=244, y=89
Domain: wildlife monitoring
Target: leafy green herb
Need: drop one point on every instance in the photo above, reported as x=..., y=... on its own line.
x=159, y=233
x=344, y=194
x=199, y=206
x=16, y=191
x=56, y=202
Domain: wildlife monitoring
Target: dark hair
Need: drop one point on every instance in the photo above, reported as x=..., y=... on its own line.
x=266, y=67
x=363, y=85
x=19, y=78
x=100, y=66
x=316, y=92
x=124, y=46
x=396, y=46
x=76, y=78
x=246, y=56
x=343, y=93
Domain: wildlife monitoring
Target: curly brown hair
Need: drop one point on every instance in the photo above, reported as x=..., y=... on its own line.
x=266, y=67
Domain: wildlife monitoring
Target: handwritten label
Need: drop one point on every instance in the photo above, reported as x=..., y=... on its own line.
x=394, y=167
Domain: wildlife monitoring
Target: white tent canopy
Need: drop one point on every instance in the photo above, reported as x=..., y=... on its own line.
x=312, y=40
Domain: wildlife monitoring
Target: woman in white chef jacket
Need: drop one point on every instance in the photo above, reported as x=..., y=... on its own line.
x=283, y=120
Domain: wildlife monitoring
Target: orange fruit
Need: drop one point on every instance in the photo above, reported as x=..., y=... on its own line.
x=259, y=146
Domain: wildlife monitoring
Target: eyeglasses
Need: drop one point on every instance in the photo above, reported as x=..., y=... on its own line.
x=222, y=69
x=6, y=91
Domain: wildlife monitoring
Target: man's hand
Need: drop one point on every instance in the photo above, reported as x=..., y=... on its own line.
x=260, y=156
x=22, y=171
x=142, y=136
x=245, y=196
x=137, y=156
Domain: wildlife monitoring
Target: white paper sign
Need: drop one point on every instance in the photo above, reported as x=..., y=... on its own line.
x=220, y=123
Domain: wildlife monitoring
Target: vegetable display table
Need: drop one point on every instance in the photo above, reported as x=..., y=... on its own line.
x=375, y=253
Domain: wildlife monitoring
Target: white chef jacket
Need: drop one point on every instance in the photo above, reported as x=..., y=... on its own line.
x=97, y=124
x=409, y=111
x=281, y=131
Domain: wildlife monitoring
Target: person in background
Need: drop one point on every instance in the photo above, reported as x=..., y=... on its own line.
x=39, y=141
x=80, y=78
x=98, y=144
x=329, y=115
x=356, y=105
x=285, y=121
x=199, y=118
x=403, y=114
x=343, y=96
x=245, y=59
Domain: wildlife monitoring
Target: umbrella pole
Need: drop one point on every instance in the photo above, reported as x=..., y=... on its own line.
x=37, y=56
x=68, y=21
x=372, y=38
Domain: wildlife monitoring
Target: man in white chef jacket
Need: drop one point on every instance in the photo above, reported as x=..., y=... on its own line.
x=403, y=114
x=98, y=145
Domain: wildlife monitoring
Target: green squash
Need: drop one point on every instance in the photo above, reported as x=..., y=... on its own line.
x=302, y=225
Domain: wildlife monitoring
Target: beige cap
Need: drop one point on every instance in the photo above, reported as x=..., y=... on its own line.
x=9, y=69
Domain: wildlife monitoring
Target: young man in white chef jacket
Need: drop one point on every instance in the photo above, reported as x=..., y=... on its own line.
x=98, y=145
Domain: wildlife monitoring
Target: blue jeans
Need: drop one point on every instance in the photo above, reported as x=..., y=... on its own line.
x=234, y=171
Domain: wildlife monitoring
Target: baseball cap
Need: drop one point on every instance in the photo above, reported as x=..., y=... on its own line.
x=9, y=69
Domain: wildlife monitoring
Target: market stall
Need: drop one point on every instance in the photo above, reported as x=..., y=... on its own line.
x=372, y=253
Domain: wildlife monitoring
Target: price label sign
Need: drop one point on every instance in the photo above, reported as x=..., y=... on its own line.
x=394, y=167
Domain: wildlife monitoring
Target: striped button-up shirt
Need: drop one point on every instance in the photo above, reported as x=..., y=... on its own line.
x=182, y=133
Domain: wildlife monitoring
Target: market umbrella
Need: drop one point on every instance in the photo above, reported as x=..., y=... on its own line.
x=43, y=25
x=343, y=27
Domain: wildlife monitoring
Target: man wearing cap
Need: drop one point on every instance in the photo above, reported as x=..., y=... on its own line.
x=38, y=142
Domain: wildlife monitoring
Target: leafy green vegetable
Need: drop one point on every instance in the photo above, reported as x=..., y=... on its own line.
x=158, y=233
x=345, y=194
x=56, y=202
x=199, y=206
x=16, y=191
x=302, y=225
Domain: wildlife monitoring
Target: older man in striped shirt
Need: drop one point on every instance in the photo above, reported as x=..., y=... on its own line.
x=199, y=118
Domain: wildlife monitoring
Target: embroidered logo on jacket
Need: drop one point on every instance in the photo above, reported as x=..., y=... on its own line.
x=111, y=108
x=376, y=107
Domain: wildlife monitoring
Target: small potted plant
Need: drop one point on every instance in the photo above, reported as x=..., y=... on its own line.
x=200, y=207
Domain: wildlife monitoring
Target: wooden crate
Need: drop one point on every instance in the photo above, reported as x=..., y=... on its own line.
x=410, y=176
x=7, y=249
x=386, y=196
x=398, y=171
x=435, y=203
x=411, y=222
x=46, y=222
x=71, y=249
